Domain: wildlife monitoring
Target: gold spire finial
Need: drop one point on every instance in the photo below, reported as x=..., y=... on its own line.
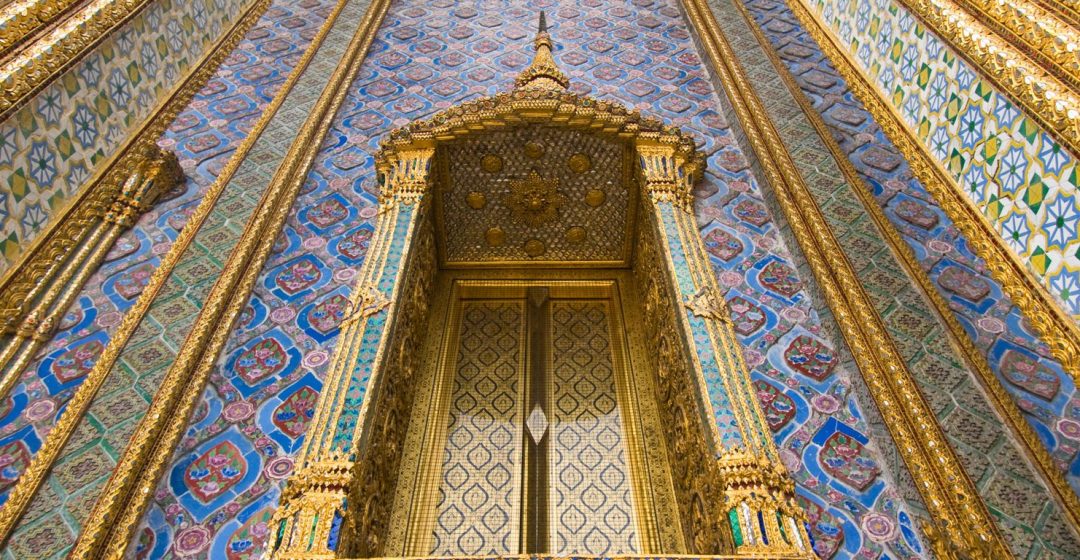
x=543, y=73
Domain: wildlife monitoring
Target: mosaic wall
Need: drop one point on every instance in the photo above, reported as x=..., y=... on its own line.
x=52, y=145
x=1021, y=362
x=428, y=58
x=204, y=136
x=1024, y=182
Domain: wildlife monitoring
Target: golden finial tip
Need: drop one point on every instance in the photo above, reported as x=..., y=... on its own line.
x=543, y=73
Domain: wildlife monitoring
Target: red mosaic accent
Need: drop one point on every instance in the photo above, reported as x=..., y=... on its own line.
x=845, y=458
x=77, y=361
x=809, y=356
x=328, y=314
x=780, y=278
x=746, y=316
x=215, y=471
x=328, y=212
x=261, y=360
x=963, y=283
x=1030, y=375
x=779, y=408
x=722, y=245
x=292, y=415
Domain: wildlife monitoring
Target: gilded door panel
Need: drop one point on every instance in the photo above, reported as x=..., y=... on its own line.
x=591, y=497
x=480, y=494
x=483, y=476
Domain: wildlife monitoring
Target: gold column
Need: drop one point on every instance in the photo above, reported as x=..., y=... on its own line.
x=950, y=496
x=759, y=496
x=154, y=171
x=346, y=473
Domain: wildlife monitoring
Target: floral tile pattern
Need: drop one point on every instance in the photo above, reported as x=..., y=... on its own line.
x=52, y=145
x=431, y=56
x=1020, y=360
x=248, y=78
x=1024, y=182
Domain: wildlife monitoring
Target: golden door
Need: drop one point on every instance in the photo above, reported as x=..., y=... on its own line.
x=531, y=437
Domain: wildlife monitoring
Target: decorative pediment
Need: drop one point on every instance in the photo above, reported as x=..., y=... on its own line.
x=538, y=175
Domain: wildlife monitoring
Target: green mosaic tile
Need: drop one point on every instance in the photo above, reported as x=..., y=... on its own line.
x=194, y=274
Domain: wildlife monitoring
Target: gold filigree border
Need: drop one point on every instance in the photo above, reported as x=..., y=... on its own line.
x=124, y=500
x=1035, y=30
x=1057, y=330
x=1044, y=98
x=976, y=360
x=21, y=19
x=65, y=229
x=1067, y=10
x=69, y=229
x=30, y=70
x=949, y=494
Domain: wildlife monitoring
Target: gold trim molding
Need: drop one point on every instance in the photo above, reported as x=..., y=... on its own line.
x=123, y=502
x=1035, y=30
x=976, y=360
x=66, y=233
x=1067, y=10
x=21, y=19
x=1056, y=329
x=37, y=64
x=1044, y=98
x=950, y=496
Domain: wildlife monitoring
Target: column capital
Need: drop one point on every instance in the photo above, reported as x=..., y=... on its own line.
x=668, y=174
x=308, y=521
x=150, y=173
x=404, y=175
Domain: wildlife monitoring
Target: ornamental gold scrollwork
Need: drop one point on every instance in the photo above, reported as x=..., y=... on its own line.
x=946, y=489
x=1036, y=30
x=369, y=302
x=20, y=19
x=665, y=176
x=32, y=69
x=1000, y=398
x=403, y=175
x=708, y=303
x=152, y=173
x=39, y=264
x=535, y=200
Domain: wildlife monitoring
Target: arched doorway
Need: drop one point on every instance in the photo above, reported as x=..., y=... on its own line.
x=538, y=359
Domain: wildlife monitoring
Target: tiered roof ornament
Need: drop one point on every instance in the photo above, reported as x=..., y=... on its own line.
x=543, y=72
x=541, y=95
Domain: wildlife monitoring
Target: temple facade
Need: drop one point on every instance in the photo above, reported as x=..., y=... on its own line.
x=343, y=279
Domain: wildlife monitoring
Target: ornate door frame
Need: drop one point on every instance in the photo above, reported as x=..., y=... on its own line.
x=735, y=496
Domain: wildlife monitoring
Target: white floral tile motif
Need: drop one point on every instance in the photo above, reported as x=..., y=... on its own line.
x=1023, y=181
x=54, y=142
